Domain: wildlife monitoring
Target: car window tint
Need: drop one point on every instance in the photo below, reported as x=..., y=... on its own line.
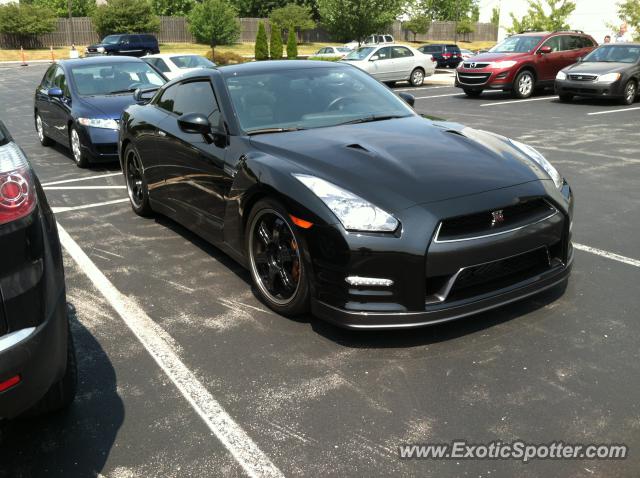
x=432, y=49
x=384, y=53
x=195, y=97
x=586, y=42
x=47, y=79
x=161, y=65
x=389, y=39
x=555, y=43
x=401, y=52
x=60, y=81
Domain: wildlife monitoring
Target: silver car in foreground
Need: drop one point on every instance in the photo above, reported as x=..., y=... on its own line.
x=391, y=63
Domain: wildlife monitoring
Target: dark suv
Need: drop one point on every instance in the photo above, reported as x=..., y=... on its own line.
x=37, y=359
x=447, y=56
x=126, y=45
x=520, y=63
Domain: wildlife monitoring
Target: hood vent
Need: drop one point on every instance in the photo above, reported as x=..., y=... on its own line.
x=358, y=147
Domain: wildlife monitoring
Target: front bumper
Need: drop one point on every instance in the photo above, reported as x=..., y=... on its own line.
x=101, y=144
x=425, y=272
x=484, y=79
x=590, y=88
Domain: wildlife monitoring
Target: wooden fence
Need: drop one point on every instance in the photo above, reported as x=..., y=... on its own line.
x=175, y=30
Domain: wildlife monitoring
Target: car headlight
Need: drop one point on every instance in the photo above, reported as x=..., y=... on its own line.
x=354, y=213
x=99, y=123
x=541, y=161
x=503, y=64
x=100, y=49
x=608, y=78
x=561, y=75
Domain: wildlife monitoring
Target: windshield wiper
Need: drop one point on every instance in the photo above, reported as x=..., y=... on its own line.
x=369, y=119
x=117, y=92
x=272, y=130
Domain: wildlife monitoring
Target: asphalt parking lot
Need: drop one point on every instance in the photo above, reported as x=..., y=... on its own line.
x=184, y=373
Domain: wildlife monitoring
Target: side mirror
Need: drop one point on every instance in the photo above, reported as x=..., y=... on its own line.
x=545, y=50
x=408, y=98
x=194, y=123
x=55, y=92
x=142, y=96
x=374, y=58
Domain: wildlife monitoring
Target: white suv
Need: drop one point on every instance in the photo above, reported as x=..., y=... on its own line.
x=371, y=40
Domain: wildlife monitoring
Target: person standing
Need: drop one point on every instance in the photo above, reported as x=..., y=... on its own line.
x=607, y=39
x=623, y=35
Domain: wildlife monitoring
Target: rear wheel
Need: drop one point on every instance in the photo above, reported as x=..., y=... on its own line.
x=565, y=97
x=472, y=93
x=275, y=254
x=630, y=92
x=523, y=85
x=417, y=77
x=136, y=183
x=44, y=139
x=390, y=84
x=79, y=156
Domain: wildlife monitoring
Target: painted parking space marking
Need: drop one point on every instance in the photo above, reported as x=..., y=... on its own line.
x=65, y=188
x=439, y=96
x=609, y=255
x=613, y=111
x=157, y=342
x=500, y=103
x=423, y=88
x=60, y=209
x=65, y=181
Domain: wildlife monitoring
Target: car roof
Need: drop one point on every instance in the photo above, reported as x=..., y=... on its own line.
x=276, y=65
x=102, y=60
x=171, y=55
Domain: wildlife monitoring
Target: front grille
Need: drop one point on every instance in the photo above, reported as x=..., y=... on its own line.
x=474, y=65
x=578, y=77
x=495, y=221
x=495, y=275
x=473, y=78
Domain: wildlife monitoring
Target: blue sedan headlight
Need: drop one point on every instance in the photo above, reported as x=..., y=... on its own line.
x=99, y=123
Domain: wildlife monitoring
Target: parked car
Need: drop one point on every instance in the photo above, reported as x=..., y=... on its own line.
x=371, y=40
x=78, y=103
x=37, y=358
x=172, y=65
x=520, y=63
x=125, y=45
x=391, y=63
x=610, y=71
x=340, y=199
x=466, y=54
x=447, y=56
x=332, y=52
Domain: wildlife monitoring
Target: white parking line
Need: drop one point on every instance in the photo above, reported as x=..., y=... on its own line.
x=60, y=188
x=422, y=88
x=437, y=96
x=253, y=460
x=499, y=103
x=609, y=255
x=64, y=181
x=613, y=111
x=60, y=209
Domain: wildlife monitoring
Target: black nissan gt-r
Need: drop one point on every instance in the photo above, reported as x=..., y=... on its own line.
x=341, y=200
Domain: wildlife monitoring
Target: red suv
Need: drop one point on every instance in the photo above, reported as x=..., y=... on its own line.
x=523, y=62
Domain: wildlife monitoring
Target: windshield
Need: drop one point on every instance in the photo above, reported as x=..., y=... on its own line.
x=192, y=61
x=111, y=40
x=305, y=98
x=615, y=53
x=114, y=78
x=516, y=44
x=360, y=53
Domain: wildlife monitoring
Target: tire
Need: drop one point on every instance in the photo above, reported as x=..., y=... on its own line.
x=61, y=393
x=390, y=84
x=566, y=97
x=417, y=77
x=137, y=188
x=524, y=85
x=472, y=93
x=276, y=260
x=44, y=139
x=630, y=93
x=79, y=156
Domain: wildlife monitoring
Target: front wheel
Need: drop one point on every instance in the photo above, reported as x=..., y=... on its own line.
x=630, y=92
x=44, y=139
x=523, y=85
x=136, y=182
x=275, y=251
x=79, y=156
x=417, y=77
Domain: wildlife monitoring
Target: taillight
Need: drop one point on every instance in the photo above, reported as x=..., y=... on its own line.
x=17, y=193
x=446, y=56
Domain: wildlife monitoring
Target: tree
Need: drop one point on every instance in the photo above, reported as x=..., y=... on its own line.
x=276, y=43
x=292, y=15
x=177, y=8
x=419, y=24
x=465, y=27
x=629, y=11
x=446, y=10
x=261, y=47
x=495, y=16
x=292, y=44
x=214, y=22
x=258, y=8
x=355, y=19
x=26, y=20
x=125, y=16
x=538, y=19
x=79, y=8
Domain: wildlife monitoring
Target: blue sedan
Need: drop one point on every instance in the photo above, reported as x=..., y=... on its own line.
x=79, y=102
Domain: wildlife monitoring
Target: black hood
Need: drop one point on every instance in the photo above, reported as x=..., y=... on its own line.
x=598, y=67
x=402, y=162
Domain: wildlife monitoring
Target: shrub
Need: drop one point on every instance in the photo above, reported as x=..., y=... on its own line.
x=225, y=58
x=125, y=16
x=25, y=20
x=294, y=15
x=292, y=44
x=276, y=43
x=214, y=22
x=262, y=47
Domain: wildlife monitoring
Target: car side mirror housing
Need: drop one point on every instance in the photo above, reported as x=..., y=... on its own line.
x=374, y=58
x=194, y=123
x=408, y=98
x=545, y=50
x=55, y=92
x=143, y=95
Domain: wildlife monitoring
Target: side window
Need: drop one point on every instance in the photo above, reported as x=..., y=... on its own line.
x=167, y=99
x=401, y=52
x=197, y=97
x=554, y=43
x=388, y=38
x=586, y=42
x=47, y=79
x=60, y=81
x=384, y=53
x=160, y=64
x=571, y=42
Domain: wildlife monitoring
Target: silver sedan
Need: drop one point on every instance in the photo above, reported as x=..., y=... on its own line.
x=391, y=63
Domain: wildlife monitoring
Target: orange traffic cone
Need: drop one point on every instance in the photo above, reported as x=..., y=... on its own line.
x=24, y=62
